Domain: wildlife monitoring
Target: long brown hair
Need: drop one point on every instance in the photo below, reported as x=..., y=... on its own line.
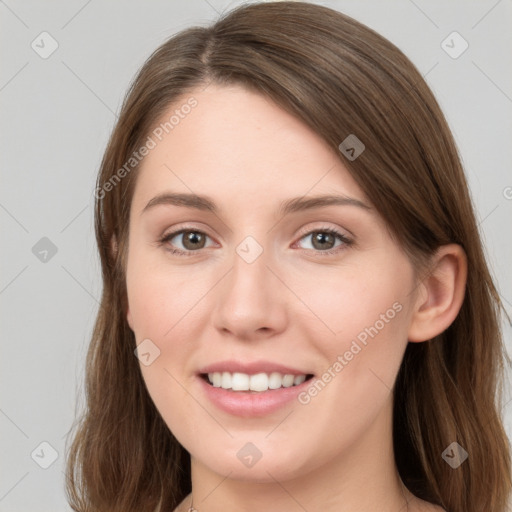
x=340, y=78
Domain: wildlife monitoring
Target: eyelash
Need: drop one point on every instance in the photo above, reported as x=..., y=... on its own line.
x=346, y=242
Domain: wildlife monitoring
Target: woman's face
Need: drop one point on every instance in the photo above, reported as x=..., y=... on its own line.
x=282, y=271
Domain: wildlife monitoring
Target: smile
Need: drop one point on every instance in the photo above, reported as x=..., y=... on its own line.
x=259, y=382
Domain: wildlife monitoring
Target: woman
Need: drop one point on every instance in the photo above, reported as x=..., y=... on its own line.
x=289, y=249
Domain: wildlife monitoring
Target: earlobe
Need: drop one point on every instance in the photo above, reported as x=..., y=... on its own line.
x=441, y=294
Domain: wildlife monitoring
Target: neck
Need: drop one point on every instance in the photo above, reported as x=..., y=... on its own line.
x=362, y=478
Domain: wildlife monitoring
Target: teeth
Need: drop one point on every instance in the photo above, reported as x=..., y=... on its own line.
x=299, y=379
x=240, y=382
x=226, y=380
x=257, y=382
x=275, y=380
x=216, y=379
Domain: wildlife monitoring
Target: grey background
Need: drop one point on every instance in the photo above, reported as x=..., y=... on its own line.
x=56, y=116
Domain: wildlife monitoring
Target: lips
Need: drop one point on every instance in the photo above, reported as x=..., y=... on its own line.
x=252, y=368
x=252, y=389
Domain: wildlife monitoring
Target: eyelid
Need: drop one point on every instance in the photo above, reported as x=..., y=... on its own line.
x=324, y=227
x=176, y=231
x=347, y=241
x=335, y=231
x=180, y=228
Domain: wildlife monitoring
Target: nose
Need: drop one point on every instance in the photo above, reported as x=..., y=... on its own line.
x=250, y=301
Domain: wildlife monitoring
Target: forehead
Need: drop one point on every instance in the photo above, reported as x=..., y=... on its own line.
x=237, y=144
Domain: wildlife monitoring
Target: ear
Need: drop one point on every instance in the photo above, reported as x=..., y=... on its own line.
x=440, y=295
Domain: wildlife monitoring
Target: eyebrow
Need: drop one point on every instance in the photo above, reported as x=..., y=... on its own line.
x=289, y=206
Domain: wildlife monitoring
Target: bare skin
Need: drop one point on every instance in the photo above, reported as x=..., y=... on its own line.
x=410, y=503
x=295, y=303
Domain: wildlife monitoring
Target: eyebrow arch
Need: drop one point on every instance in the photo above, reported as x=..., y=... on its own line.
x=289, y=206
x=187, y=200
x=307, y=203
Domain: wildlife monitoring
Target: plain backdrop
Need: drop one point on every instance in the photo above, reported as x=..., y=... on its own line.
x=65, y=66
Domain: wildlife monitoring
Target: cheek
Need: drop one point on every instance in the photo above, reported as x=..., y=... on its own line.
x=160, y=302
x=160, y=296
x=354, y=389
x=164, y=309
x=354, y=301
x=364, y=324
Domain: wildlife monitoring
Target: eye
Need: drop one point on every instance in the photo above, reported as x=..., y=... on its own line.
x=185, y=241
x=325, y=240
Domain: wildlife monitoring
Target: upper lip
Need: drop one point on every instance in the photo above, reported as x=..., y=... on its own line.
x=251, y=368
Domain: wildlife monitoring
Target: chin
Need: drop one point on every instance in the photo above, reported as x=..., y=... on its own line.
x=258, y=462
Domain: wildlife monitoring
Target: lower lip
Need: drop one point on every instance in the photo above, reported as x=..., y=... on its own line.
x=250, y=404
